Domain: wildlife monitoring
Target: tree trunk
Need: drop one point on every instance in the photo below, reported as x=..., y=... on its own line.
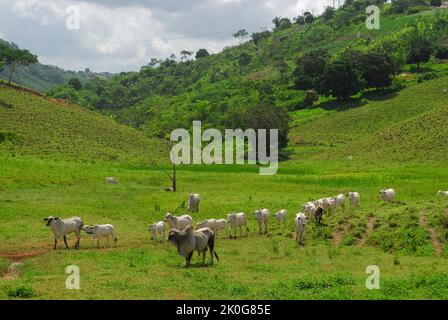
x=13, y=67
x=174, y=178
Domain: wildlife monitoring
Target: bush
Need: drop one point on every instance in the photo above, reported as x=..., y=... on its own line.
x=22, y=291
x=441, y=52
x=426, y=76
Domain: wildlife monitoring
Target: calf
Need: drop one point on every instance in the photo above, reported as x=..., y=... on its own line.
x=300, y=223
x=387, y=195
x=281, y=217
x=237, y=221
x=262, y=216
x=193, y=202
x=157, y=228
x=354, y=199
x=101, y=230
x=318, y=214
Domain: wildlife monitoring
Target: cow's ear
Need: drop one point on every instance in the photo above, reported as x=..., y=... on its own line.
x=45, y=219
x=57, y=218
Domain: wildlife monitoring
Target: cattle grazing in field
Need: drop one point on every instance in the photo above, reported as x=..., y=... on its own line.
x=178, y=223
x=354, y=199
x=387, y=195
x=262, y=217
x=318, y=214
x=187, y=241
x=63, y=227
x=281, y=217
x=309, y=209
x=193, y=202
x=210, y=223
x=101, y=231
x=220, y=225
x=300, y=223
x=339, y=201
x=111, y=180
x=443, y=193
x=237, y=221
x=156, y=229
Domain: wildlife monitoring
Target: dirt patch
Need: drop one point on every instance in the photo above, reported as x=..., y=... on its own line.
x=12, y=272
x=432, y=234
x=369, y=229
x=339, y=234
x=19, y=256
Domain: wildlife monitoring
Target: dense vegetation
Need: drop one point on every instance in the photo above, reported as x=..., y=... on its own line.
x=276, y=69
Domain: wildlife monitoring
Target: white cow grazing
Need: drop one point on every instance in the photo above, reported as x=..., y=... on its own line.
x=281, y=216
x=63, y=227
x=300, y=223
x=443, y=193
x=220, y=224
x=178, y=223
x=340, y=201
x=101, y=230
x=354, y=199
x=210, y=223
x=262, y=216
x=387, y=195
x=310, y=209
x=157, y=228
x=193, y=202
x=237, y=221
x=111, y=180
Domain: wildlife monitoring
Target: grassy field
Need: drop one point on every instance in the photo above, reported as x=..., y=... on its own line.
x=331, y=265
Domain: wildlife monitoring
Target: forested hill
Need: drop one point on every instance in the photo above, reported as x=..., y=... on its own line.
x=41, y=77
x=300, y=63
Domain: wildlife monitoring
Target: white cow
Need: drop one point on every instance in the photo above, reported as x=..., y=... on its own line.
x=221, y=224
x=262, y=216
x=281, y=216
x=443, y=193
x=193, y=202
x=387, y=195
x=157, y=228
x=111, y=180
x=210, y=223
x=310, y=209
x=101, y=230
x=340, y=201
x=178, y=223
x=63, y=227
x=237, y=221
x=354, y=199
x=300, y=223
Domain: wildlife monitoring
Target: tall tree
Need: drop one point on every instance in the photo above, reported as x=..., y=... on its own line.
x=420, y=50
x=340, y=79
x=241, y=34
x=16, y=57
x=202, y=53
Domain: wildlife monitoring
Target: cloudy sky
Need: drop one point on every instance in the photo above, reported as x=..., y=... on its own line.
x=120, y=35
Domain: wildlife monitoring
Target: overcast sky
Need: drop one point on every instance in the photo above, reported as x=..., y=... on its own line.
x=119, y=35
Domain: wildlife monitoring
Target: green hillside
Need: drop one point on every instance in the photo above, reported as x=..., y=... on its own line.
x=219, y=88
x=34, y=125
x=407, y=126
x=41, y=77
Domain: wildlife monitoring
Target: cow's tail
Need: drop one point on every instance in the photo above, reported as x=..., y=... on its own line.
x=216, y=255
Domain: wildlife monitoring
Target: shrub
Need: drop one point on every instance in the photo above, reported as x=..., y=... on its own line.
x=441, y=52
x=22, y=291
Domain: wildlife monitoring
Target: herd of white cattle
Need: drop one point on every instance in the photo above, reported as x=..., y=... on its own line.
x=187, y=240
